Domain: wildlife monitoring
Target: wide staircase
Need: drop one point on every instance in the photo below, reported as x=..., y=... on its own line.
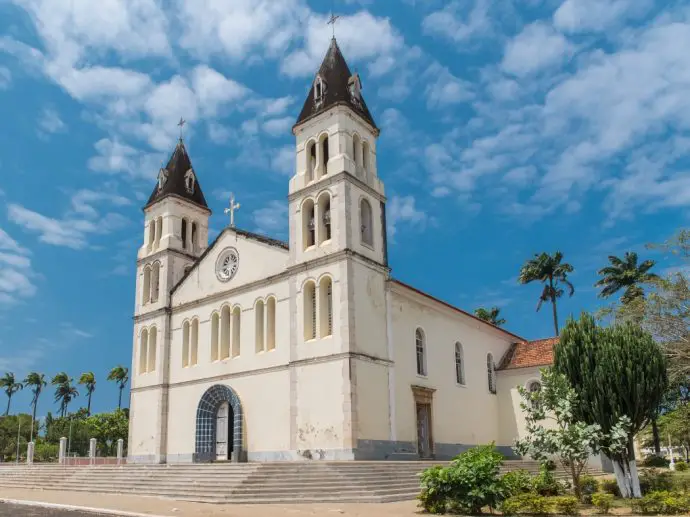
x=303, y=482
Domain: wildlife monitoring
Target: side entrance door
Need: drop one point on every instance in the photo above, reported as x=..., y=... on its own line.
x=423, y=430
x=222, y=432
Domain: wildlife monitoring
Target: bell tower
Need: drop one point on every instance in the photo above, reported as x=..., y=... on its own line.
x=337, y=200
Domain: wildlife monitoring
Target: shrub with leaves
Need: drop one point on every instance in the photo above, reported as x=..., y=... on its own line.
x=471, y=482
x=573, y=442
x=610, y=486
x=516, y=482
x=531, y=504
x=655, y=461
x=652, y=481
x=546, y=484
x=588, y=486
x=681, y=466
x=662, y=502
x=566, y=505
x=603, y=501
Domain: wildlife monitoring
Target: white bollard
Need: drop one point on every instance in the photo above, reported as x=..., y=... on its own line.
x=92, y=451
x=30, y=453
x=62, y=454
x=120, y=450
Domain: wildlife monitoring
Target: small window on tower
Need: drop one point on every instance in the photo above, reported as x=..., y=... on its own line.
x=355, y=86
x=189, y=181
x=162, y=178
x=319, y=90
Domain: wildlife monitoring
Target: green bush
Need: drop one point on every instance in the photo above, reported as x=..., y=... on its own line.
x=603, y=502
x=468, y=484
x=532, y=504
x=662, y=502
x=545, y=483
x=566, y=505
x=610, y=486
x=46, y=452
x=516, y=482
x=651, y=481
x=681, y=466
x=588, y=486
x=656, y=462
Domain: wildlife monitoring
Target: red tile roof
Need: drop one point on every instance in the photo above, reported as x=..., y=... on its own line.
x=529, y=354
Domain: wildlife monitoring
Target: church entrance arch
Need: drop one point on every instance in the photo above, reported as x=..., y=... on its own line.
x=219, y=425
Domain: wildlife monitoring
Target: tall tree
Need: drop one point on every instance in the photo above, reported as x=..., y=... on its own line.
x=64, y=391
x=490, y=315
x=617, y=371
x=37, y=381
x=626, y=274
x=88, y=379
x=549, y=270
x=11, y=386
x=120, y=375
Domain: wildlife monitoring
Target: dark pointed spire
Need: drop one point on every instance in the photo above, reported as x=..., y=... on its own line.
x=178, y=179
x=334, y=84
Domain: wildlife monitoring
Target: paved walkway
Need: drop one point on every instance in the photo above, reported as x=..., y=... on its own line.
x=169, y=508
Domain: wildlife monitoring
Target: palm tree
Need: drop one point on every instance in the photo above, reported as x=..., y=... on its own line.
x=490, y=316
x=549, y=270
x=625, y=274
x=37, y=381
x=64, y=392
x=11, y=386
x=120, y=375
x=88, y=379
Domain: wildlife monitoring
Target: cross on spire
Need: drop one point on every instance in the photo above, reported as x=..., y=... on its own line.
x=231, y=209
x=181, y=124
x=332, y=20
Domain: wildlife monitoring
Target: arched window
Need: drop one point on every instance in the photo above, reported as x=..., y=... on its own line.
x=143, y=350
x=420, y=345
x=357, y=153
x=308, y=223
x=365, y=157
x=236, y=315
x=318, y=89
x=311, y=160
x=326, y=306
x=183, y=235
x=324, y=154
x=215, y=335
x=259, y=326
x=309, y=294
x=225, y=320
x=367, y=230
x=534, y=387
x=193, y=245
x=153, y=338
x=146, y=291
x=159, y=232
x=271, y=324
x=185, y=344
x=194, y=347
x=324, y=233
x=155, y=281
x=152, y=233
x=491, y=373
x=459, y=364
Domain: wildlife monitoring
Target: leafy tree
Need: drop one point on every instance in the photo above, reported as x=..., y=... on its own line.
x=625, y=274
x=109, y=426
x=37, y=381
x=11, y=386
x=571, y=440
x=617, y=371
x=490, y=316
x=88, y=379
x=64, y=391
x=10, y=427
x=120, y=375
x=549, y=270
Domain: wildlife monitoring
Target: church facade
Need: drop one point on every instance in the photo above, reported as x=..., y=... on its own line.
x=252, y=349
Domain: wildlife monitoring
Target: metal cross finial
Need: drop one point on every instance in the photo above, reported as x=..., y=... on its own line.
x=231, y=209
x=181, y=124
x=332, y=20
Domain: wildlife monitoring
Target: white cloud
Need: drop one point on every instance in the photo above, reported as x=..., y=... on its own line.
x=114, y=157
x=278, y=126
x=272, y=219
x=597, y=15
x=458, y=23
x=213, y=89
x=5, y=78
x=538, y=46
x=15, y=271
x=444, y=88
x=402, y=209
x=283, y=160
x=51, y=122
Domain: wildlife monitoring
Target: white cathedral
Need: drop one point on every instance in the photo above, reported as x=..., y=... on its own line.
x=252, y=349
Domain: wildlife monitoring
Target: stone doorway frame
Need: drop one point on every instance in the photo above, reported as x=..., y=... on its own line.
x=424, y=396
x=206, y=413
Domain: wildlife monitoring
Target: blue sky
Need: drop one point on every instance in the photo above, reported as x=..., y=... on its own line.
x=508, y=128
